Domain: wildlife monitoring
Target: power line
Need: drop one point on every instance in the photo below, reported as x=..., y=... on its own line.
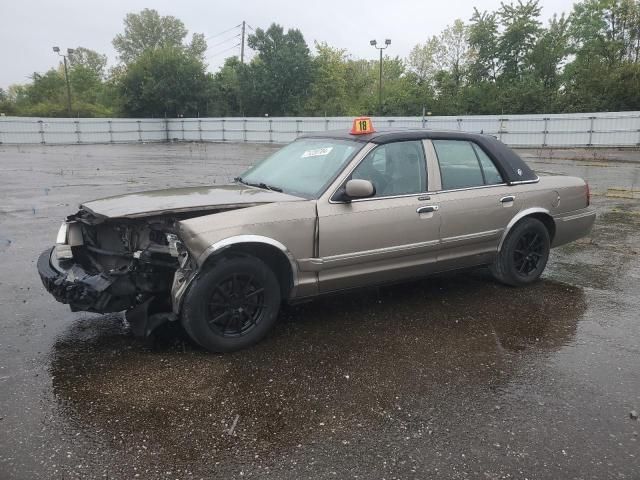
x=223, y=42
x=222, y=33
x=223, y=51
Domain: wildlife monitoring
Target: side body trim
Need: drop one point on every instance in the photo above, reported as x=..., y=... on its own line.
x=325, y=263
x=519, y=216
x=319, y=264
x=522, y=182
x=570, y=218
x=472, y=236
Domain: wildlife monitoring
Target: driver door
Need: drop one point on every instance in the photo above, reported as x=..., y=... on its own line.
x=390, y=236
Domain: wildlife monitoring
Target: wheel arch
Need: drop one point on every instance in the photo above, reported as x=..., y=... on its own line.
x=270, y=251
x=538, y=213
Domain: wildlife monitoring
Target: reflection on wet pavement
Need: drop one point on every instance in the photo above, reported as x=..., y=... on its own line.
x=334, y=366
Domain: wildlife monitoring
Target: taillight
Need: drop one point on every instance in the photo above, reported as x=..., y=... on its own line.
x=588, y=191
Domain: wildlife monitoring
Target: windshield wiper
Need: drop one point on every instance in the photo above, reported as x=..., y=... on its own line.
x=259, y=185
x=269, y=187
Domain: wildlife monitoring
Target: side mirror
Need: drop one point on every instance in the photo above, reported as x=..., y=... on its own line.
x=358, y=188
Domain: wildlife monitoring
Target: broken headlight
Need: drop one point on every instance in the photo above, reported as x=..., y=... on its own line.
x=61, y=239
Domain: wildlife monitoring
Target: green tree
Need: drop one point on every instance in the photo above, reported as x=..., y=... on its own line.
x=87, y=72
x=148, y=30
x=328, y=91
x=361, y=86
x=281, y=72
x=604, y=41
x=90, y=60
x=521, y=27
x=198, y=46
x=624, y=88
x=7, y=105
x=550, y=52
x=225, y=99
x=454, y=52
x=46, y=95
x=424, y=60
x=86, y=86
x=483, y=43
x=47, y=87
x=164, y=81
x=606, y=30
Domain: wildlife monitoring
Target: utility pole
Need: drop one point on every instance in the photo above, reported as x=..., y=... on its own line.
x=66, y=74
x=374, y=43
x=242, y=44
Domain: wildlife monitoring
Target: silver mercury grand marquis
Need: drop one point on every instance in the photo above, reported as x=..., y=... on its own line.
x=331, y=211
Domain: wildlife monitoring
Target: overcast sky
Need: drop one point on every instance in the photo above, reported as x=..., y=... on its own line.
x=29, y=28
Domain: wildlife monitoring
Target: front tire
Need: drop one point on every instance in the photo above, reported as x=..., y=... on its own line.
x=524, y=254
x=231, y=305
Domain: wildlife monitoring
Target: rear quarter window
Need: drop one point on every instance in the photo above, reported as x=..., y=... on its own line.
x=491, y=174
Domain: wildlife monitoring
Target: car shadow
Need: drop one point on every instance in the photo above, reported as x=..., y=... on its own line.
x=341, y=363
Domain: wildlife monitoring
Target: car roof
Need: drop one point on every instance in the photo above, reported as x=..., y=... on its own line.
x=389, y=135
x=509, y=163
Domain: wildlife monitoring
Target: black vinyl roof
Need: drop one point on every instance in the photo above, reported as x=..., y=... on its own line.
x=511, y=166
x=389, y=135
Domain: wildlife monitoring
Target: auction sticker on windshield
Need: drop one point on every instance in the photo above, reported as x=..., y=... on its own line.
x=317, y=152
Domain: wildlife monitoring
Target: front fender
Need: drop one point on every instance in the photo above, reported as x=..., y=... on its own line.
x=184, y=279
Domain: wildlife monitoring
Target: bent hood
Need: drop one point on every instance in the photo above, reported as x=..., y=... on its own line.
x=177, y=200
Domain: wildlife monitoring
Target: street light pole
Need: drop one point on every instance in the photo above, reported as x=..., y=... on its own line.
x=380, y=85
x=66, y=74
x=374, y=43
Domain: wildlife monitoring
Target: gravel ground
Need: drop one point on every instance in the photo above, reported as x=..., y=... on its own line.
x=449, y=377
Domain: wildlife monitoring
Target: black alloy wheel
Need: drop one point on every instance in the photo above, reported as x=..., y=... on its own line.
x=232, y=304
x=236, y=305
x=528, y=253
x=524, y=253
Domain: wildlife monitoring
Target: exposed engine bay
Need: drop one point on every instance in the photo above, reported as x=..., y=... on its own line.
x=127, y=262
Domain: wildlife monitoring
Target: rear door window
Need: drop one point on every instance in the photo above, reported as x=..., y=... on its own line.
x=463, y=164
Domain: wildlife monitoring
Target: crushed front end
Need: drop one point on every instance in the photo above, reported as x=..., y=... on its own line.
x=110, y=265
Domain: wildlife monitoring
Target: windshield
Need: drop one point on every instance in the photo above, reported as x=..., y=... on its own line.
x=303, y=168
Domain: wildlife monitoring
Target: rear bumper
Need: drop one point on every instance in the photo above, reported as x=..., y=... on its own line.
x=573, y=225
x=70, y=284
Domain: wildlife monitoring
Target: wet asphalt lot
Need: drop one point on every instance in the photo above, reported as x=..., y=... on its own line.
x=450, y=377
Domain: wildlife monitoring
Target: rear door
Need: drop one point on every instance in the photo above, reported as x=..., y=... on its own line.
x=393, y=235
x=475, y=202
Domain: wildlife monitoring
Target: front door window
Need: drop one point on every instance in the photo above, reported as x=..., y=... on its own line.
x=394, y=169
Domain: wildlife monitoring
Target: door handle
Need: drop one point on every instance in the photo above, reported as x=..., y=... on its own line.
x=508, y=198
x=427, y=209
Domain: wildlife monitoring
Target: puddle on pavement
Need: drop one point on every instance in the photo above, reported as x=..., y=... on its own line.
x=333, y=366
x=600, y=259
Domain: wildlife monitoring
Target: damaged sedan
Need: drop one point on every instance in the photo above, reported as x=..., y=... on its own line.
x=331, y=211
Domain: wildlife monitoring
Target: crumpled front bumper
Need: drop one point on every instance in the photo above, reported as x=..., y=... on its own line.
x=71, y=284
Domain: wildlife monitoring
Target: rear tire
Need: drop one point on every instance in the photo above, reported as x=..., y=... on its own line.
x=524, y=254
x=231, y=305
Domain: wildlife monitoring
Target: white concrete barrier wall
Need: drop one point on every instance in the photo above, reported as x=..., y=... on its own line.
x=605, y=129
